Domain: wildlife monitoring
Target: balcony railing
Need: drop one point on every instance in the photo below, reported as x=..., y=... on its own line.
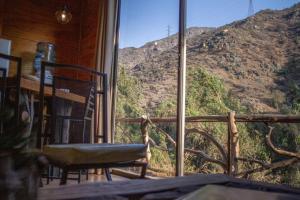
x=229, y=158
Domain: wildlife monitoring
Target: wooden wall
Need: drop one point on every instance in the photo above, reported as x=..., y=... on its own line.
x=28, y=22
x=89, y=32
x=1, y=15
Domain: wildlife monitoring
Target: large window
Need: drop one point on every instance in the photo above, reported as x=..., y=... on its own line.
x=242, y=62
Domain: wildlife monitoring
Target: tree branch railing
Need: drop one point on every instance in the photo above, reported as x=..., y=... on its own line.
x=229, y=156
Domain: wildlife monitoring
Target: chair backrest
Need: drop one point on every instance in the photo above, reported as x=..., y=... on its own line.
x=73, y=95
x=66, y=112
x=11, y=83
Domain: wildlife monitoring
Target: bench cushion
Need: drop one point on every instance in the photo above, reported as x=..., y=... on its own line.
x=72, y=154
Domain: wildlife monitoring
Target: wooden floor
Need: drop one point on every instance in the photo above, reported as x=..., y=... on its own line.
x=217, y=185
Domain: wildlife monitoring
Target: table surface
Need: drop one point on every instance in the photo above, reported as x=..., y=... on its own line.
x=34, y=86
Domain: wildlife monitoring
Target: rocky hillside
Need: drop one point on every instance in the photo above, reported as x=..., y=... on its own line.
x=258, y=58
x=130, y=57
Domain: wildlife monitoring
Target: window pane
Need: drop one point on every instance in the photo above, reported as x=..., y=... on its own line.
x=243, y=56
x=147, y=80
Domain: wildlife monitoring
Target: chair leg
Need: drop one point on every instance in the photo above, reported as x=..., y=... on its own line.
x=83, y=132
x=48, y=175
x=64, y=177
x=107, y=174
x=41, y=182
x=144, y=170
x=51, y=172
x=79, y=176
x=87, y=175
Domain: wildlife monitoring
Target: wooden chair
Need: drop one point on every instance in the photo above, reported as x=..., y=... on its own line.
x=82, y=116
x=84, y=113
x=83, y=155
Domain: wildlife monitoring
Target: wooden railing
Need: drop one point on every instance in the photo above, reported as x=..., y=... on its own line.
x=230, y=155
x=267, y=118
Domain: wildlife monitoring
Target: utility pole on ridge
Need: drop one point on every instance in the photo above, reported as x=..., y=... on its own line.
x=250, y=8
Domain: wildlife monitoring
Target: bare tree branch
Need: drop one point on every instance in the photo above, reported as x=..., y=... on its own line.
x=125, y=133
x=207, y=157
x=210, y=138
x=163, y=132
x=271, y=166
x=159, y=170
x=153, y=143
x=198, y=152
x=278, y=150
x=250, y=160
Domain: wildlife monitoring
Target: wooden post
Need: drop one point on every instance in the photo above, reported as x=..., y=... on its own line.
x=234, y=149
x=229, y=162
x=145, y=135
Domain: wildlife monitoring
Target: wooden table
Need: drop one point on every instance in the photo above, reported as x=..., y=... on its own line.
x=170, y=188
x=30, y=88
x=34, y=86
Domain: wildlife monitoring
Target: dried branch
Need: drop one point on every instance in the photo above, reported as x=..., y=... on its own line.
x=210, y=138
x=278, y=150
x=198, y=152
x=163, y=132
x=207, y=157
x=160, y=170
x=250, y=160
x=271, y=166
x=279, y=164
x=125, y=133
x=153, y=143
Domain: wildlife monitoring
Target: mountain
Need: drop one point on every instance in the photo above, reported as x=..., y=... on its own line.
x=131, y=56
x=258, y=59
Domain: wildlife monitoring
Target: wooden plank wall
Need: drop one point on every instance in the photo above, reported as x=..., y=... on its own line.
x=89, y=32
x=1, y=15
x=28, y=22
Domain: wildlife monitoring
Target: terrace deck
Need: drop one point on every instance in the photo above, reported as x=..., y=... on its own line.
x=170, y=188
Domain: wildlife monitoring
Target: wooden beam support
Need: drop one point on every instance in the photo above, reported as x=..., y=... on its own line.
x=145, y=134
x=235, y=147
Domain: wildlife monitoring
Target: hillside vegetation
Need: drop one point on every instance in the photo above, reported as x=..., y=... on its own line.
x=257, y=58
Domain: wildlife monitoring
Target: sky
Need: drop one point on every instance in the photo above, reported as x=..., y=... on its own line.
x=147, y=20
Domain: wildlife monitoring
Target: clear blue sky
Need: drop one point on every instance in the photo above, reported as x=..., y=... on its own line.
x=147, y=20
